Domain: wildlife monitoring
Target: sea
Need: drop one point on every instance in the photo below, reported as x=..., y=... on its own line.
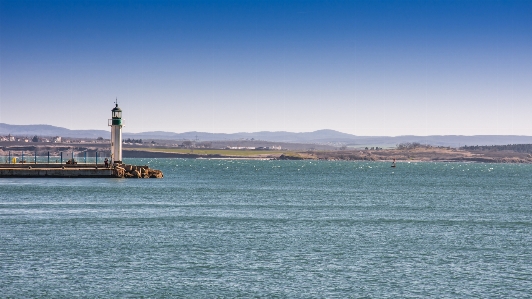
x=271, y=229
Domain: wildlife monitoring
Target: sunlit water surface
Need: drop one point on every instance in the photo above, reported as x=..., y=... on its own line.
x=299, y=229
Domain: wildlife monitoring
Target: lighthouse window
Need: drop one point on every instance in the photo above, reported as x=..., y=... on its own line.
x=117, y=114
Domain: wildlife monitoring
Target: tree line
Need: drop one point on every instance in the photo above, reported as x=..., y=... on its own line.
x=520, y=148
x=129, y=140
x=411, y=145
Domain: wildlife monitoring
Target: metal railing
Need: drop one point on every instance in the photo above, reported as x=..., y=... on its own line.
x=68, y=157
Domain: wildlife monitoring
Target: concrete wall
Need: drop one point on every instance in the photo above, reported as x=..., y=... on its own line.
x=57, y=172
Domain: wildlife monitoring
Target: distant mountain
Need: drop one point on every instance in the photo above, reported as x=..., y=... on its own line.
x=331, y=136
x=320, y=136
x=323, y=136
x=50, y=131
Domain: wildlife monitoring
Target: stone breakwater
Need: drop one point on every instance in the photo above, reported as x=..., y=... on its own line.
x=139, y=172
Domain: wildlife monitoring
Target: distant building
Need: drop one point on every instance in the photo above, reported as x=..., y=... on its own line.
x=274, y=147
x=242, y=147
x=56, y=139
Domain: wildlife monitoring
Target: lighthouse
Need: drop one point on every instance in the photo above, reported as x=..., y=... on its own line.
x=116, y=135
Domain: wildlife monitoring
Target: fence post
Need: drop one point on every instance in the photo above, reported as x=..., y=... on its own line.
x=9, y=157
x=85, y=157
x=61, y=158
x=35, y=161
x=22, y=158
x=96, y=158
x=48, y=157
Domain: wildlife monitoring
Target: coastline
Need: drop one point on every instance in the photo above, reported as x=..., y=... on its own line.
x=387, y=155
x=421, y=154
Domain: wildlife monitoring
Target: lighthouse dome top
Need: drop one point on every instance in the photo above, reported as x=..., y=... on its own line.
x=117, y=112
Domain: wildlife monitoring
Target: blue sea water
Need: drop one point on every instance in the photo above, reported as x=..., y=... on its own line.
x=263, y=229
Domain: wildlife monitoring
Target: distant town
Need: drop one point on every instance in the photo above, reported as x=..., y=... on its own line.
x=56, y=139
x=185, y=144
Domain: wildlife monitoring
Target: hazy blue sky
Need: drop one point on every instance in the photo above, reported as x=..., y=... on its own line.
x=360, y=67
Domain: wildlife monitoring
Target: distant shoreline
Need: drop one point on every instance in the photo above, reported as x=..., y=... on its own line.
x=385, y=155
x=417, y=154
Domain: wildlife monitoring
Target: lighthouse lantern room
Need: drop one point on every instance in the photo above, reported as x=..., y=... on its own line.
x=116, y=135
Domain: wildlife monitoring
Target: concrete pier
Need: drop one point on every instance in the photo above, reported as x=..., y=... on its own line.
x=56, y=171
x=78, y=171
x=74, y=170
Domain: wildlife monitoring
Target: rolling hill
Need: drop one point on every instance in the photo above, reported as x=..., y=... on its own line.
x=320, y=136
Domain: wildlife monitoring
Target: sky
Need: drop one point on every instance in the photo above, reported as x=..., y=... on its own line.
x=369, y=68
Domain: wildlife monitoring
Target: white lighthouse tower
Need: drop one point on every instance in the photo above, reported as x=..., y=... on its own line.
x=116, y=135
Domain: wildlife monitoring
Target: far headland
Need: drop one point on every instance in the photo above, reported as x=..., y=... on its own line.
x=256, y=149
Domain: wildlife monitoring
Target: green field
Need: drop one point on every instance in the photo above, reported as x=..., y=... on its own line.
x=221, y=152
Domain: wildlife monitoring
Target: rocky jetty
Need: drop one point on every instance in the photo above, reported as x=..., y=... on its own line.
x=138, y=172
